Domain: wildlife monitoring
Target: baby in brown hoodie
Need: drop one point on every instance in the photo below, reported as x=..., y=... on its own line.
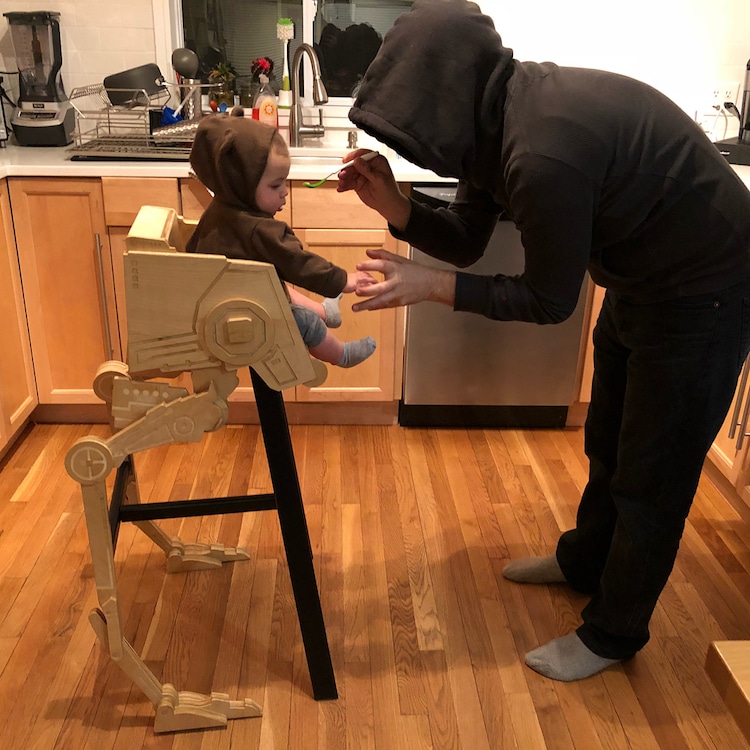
x=245, y=163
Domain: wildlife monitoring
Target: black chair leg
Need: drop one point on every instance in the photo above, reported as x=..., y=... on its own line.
x=294, y=532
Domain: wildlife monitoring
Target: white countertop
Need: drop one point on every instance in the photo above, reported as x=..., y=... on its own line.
x=17, y=161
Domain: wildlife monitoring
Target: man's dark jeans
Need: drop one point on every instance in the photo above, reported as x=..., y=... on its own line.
x=664, y=377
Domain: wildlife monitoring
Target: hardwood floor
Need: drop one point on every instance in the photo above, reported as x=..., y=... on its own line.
x=410, y=529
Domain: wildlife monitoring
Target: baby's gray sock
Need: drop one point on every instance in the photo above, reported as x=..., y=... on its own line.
x=332, y=311
x=357, y=351
x=567, y=659
x=534, y=570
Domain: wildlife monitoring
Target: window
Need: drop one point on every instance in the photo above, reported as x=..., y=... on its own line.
x=346, y=35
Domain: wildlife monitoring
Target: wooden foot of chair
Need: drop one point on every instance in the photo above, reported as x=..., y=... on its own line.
x=181, y=711
x=195, y=556
x=186, y=556
x=175, y=711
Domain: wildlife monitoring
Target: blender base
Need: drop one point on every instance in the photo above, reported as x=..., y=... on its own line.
x=53, y=132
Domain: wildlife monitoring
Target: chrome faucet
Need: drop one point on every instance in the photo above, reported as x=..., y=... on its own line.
x=297, y=128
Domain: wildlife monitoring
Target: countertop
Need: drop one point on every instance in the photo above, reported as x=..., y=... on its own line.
x=18, y=161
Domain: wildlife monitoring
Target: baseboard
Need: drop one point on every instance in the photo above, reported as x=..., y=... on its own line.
x=365, y=413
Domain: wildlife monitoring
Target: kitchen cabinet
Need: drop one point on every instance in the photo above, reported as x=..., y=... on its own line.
x=375, y=378
x=123, y=198
x=66, y=269
x=340, y=228
x=70, y=237
x=17, y=386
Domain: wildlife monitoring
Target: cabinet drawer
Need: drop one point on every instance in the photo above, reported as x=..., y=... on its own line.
x=323, y=207
x=124, y=196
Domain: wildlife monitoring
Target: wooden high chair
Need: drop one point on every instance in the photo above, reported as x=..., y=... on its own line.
x=209, y=316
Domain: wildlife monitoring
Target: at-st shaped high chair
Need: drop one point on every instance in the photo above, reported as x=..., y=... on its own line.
x=206, y=315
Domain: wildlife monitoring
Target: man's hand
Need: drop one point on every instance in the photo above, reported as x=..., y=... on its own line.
x=406, y=282
x=376, y=187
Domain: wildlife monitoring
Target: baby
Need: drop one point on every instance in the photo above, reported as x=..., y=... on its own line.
x=245, y=163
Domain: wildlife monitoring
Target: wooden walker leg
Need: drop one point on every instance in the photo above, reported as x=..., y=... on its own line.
x=175, y=711
x=181, y=556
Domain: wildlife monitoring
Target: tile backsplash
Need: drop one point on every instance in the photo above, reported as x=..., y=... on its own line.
x=98, y=38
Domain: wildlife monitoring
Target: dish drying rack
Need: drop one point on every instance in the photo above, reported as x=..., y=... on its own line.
x=129, y=131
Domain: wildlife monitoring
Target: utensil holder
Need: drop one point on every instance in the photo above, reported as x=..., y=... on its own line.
x=190, y=94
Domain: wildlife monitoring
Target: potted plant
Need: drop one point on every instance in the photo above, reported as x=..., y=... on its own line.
x=222, y=79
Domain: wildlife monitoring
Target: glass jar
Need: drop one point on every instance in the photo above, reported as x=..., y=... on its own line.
x=222, y=93
x=248, y=91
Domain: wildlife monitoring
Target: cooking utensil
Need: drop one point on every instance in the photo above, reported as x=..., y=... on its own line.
x=366, y=157
x=185, y=62
x=134, y=86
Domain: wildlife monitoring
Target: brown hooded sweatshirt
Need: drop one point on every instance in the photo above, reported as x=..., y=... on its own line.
x=229, y=157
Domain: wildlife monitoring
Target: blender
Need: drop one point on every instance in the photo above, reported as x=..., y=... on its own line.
x=44, y=116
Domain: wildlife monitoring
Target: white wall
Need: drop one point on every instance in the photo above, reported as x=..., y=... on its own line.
x=680, y=46
x=98, y=38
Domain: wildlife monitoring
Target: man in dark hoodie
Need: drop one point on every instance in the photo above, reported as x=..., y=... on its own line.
x=602, y=173
x=245, y=164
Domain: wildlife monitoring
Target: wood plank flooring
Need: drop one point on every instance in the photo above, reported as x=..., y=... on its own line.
x=410, y=529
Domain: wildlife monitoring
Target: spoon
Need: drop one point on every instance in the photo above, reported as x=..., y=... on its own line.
x=367, y=157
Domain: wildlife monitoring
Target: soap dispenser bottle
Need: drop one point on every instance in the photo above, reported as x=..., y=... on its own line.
x=265, y=108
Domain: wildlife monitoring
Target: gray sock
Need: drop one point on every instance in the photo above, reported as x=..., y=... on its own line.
x=534, y=570
x=567, y=659
x=332, y=311
x=357, y=351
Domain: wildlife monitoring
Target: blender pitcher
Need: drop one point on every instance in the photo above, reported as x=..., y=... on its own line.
x=44, y=117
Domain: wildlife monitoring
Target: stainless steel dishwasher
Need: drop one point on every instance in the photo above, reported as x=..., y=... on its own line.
x=464, y=370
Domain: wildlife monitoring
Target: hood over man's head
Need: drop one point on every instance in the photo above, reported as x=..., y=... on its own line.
x=436, y=88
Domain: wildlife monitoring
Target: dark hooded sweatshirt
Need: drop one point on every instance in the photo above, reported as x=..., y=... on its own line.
x=597, y=171
x=229, y=157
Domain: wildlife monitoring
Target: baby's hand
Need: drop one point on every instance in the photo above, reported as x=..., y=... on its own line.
x=357, y=280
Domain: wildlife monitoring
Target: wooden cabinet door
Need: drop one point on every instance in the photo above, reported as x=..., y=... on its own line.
x=64, y=254
x=17, y=387
x=376, y=378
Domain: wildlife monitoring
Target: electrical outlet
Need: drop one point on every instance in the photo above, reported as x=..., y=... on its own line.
x=716, y=120
x=724, y=91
